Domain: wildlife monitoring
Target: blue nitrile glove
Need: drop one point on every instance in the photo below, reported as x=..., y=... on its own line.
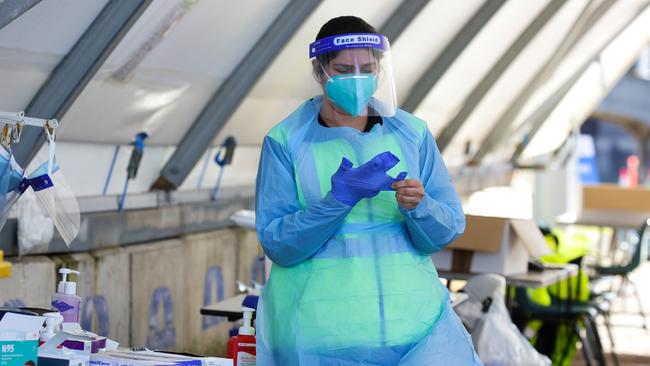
x=350, y=185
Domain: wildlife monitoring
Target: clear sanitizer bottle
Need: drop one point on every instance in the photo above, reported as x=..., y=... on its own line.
x=66, y=301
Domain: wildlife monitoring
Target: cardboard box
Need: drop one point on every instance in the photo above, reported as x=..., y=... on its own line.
x=616, y=198
x=19, y=339
x=63, y=361
x=493, y=245
x=608, y=205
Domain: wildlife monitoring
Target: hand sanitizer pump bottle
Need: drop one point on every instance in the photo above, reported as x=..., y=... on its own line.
x=66, y=301
x=241, y=348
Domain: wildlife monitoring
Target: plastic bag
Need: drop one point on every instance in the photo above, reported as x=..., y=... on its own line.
x=56, y=196
x=499, y=342
x=35, y=227
x=496, y=339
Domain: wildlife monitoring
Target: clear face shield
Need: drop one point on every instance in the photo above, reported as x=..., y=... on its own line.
x=355, y=74
x=11, y=175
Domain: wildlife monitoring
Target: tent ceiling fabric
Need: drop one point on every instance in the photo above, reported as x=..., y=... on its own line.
x=76, y=69
x=33, y=44
x=588, y=16
x=592, y=87
x=176, y=79
x=177, y=76
x=12, y=9
x=580, y=59
x=288, y=81
x=419, y=88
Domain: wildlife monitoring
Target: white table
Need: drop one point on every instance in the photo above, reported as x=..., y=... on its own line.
x=549, y=276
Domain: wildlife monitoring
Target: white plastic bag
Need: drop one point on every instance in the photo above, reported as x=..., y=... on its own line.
x=35, y=227
x=496, y=339
x=499, y=342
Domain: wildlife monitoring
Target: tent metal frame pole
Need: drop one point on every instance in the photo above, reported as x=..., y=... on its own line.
x=76, y=69
x=541, y=114
x=452, y=50
x=492, y=76
x=232, y=92
x=585, y=21
x=10, y=10
x=402, y=18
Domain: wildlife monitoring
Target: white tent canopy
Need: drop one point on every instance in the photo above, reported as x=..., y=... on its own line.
x=179, y=52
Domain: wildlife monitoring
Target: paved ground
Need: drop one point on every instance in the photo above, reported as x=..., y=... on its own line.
x=632, y=341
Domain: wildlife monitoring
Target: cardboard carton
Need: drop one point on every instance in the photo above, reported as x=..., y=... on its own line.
x=611, y=197
x=19, y=338
x=493, y=245
x=608, y=205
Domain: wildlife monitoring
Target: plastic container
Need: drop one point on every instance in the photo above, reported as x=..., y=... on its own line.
x=241, y=348
x=66, y=301
x=52, y=326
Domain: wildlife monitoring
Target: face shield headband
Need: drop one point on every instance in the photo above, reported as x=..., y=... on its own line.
x=345, y=41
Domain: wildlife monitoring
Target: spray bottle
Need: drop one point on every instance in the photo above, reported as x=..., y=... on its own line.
x=241, y=348
x=66, y=301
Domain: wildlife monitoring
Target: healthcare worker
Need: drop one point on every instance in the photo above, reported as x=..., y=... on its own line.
x=352, y=199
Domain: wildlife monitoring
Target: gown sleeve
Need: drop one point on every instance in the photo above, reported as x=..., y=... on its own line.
x=288, y=233
x=438, y=219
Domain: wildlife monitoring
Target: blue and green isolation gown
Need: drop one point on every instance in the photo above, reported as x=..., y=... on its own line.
x=354, y=285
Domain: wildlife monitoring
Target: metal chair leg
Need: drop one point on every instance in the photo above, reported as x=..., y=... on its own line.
x=639, y=302
x=610, y=334
x=586, y=352
x=621, y=292
x=594, y=339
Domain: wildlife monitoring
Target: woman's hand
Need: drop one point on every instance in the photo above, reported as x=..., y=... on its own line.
x=409, y=193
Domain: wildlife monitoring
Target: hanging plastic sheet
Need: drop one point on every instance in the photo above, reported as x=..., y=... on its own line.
x=46, y=181
x=56, y=196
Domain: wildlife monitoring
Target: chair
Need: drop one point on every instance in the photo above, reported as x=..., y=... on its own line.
x=623, y=271
x=571, y=314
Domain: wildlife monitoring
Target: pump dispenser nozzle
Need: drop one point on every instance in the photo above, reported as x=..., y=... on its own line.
x=65, y=286
x=247, y=328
